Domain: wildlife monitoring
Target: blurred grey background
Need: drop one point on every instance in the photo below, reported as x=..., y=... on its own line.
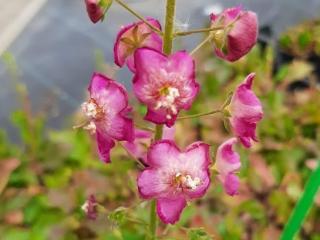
x=54, y=43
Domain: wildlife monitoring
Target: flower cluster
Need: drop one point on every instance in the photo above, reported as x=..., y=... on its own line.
x=166, y=84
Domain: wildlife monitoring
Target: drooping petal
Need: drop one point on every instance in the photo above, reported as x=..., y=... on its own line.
x=230, y=183
x=105, y=144
x=169, y=210
x=244, y=102
x=132, y=37
x=246, y=111
x=152, y=184
x=244, y=130
x=227, y=160
x=163, y=153
x=242, y=36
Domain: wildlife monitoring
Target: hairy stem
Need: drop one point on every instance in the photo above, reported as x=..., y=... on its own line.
x=201, y=30
x=207, y=39
x=200, y=114
x=167, y=48
x=125, y=6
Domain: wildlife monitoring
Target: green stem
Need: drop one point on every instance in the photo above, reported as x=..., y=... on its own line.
x=199, y=114
x=302, y=207
x=153, y=220
x=201, y=30
x=125, y=6
x=169, y=26
x=167, y=48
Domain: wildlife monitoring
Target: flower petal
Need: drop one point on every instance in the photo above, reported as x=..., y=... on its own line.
x=162, y=153
x=246, y=131
x=227, y=160
x=105, y=144
x=152, y=184
x=169, y=210
x=231, y=183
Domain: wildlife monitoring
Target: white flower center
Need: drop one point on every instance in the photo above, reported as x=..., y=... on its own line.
x=167, y=100
x=90, y=109
x=187, y=181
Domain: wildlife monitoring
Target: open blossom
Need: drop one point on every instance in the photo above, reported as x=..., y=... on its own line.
x=107, y=111
x=166, y=84
x=246, y=111
x=174, y=177
x=134, y=36
x=227, y=164
x=236, y=41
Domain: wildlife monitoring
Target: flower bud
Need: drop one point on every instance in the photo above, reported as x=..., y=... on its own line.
x=238, y=37
x=97, y=8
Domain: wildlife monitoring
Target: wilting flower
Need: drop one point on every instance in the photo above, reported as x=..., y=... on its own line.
x=246, y=111
x=174, y=177
x=166, y=84
x=138, y=148
x=134, y=36
x=227, y=164
x=90, y=207
x=97, y=8
x=107, y=111
x=237, y=40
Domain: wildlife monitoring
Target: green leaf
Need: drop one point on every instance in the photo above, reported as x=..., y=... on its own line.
x=198, y=234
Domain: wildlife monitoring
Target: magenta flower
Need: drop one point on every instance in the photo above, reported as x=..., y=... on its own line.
x=246, y=111
x=94, y=10
x=174, y=177
x=236, y=41
x=132, y=37
x=227, y=164
x=107, y=111
x=166, y=84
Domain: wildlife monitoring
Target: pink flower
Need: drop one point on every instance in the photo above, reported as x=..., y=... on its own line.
x=236, y=41
x=166, y=84
x=107, y=111
x=138, y=148
x=174, y=177
x=135, y=36
x=246, y=111
x=94, y=10
x=227, y=164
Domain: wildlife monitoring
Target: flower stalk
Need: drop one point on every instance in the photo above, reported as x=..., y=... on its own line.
x=167, y=48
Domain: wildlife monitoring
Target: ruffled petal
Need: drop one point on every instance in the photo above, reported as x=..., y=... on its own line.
x=163, y=153
x=169, y=210
x=105, y=144
x=227, y=160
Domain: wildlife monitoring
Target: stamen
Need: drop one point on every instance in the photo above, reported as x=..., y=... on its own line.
x=90, y=109
x=91, y=127
x=187, y=181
